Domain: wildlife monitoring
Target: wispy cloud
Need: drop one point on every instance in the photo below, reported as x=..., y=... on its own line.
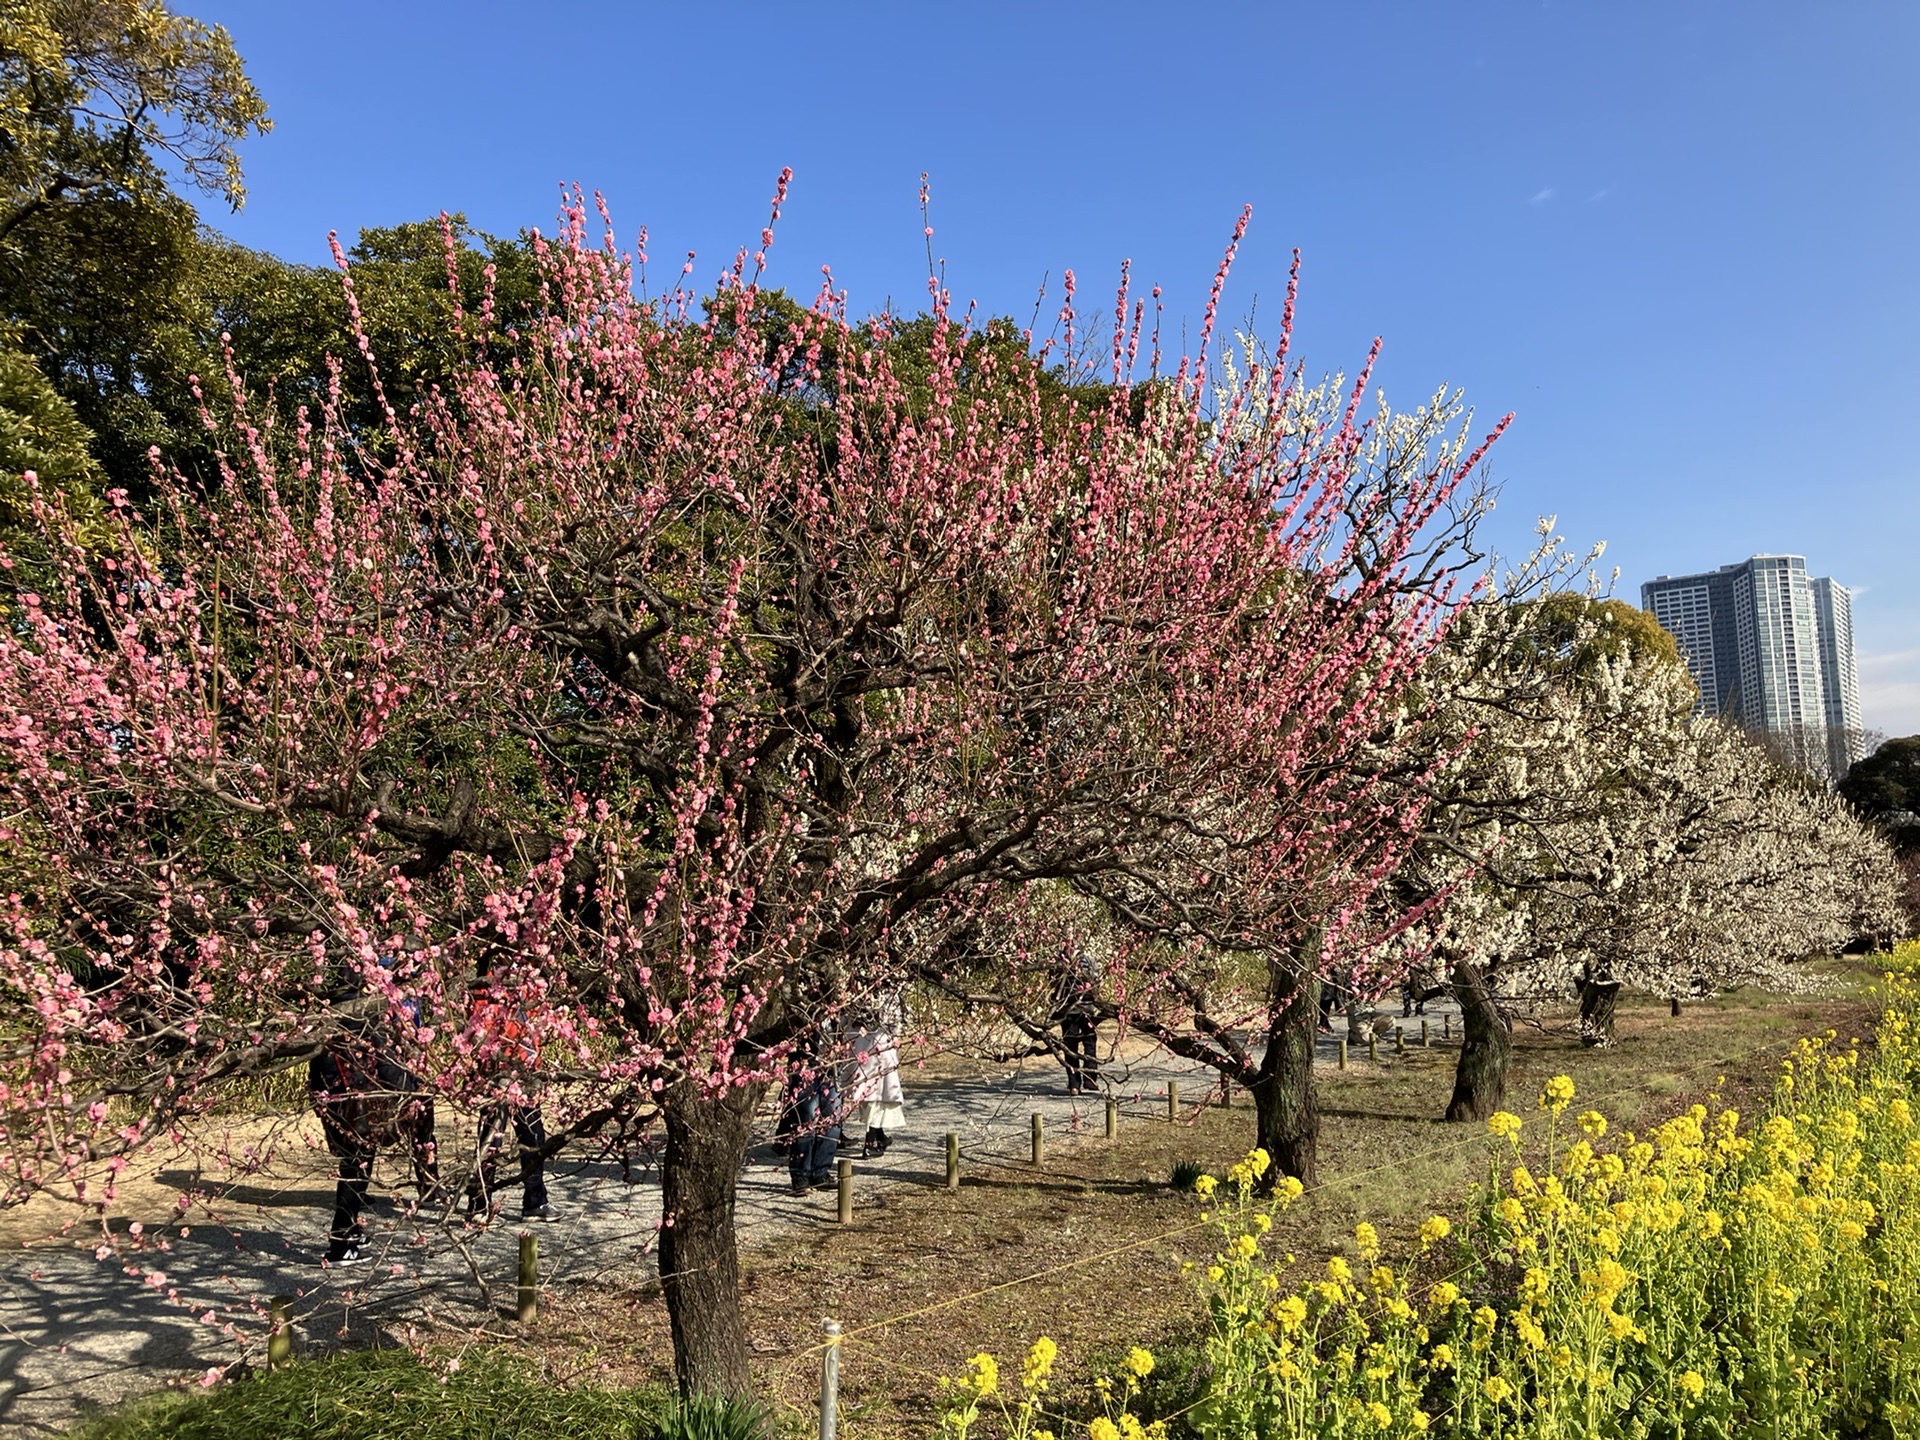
x=1597, y=196
x=1890, y=691
x=1541, y=197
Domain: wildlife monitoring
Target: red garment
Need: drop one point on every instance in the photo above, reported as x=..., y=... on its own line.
x=495, y=1024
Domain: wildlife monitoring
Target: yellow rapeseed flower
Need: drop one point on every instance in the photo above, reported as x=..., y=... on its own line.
x=1504, y=1124
x=1496, y=1389
x=1039, y=1363
x=1556, y=1094
x=1139, y=1362
x=1435, y=1229
x=1691, y=1384
x=1101, y=1428
x=1381, y=1416
x=1205, y=1186
x=983, y=1374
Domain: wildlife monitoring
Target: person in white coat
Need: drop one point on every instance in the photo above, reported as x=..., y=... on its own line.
x=870, y=1077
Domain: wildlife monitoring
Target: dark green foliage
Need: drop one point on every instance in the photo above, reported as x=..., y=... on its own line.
x=40, y=432
x=1886, y=786
x=391, y=1395
x=1186, y=1175
x=715, y=1417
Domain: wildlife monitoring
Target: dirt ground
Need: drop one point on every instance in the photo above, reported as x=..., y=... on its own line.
x=1089, y=1248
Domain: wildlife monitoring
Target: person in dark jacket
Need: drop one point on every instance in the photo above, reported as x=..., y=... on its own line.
x=367, y=1099
x=1077, y=1009
x=810, y=1118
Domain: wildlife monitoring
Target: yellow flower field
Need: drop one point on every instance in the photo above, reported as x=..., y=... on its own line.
x=1714, y=1278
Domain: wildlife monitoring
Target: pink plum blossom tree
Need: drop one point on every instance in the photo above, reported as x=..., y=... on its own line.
x=683, y=674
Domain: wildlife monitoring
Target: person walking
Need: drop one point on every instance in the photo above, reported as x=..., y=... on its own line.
x=366, y=1099
x=810, y=1118
x=870, y=1077
x=1077, y=1009
x=505, y=1043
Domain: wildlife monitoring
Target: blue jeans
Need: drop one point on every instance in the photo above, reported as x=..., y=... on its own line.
x=813, y=1131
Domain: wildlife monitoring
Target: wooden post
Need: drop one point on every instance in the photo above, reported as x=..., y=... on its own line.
x=1173, y=1099
x=1113, y=1117
x=1399, y=1039
x=1373, y=1046
x=1676, y=1007
x=1426, y=1035
x=953, y=1161
x=279, y=1331
x=829, y=1379
x=1446, y=1026
x=1039, y=1143
x=1343, y=1054
x=846, y=1192
x=1226, y=1094
x=529, y=1308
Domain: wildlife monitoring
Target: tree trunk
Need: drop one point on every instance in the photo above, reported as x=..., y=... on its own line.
x=1287, y=1116
x=1597, y=1000
x=1480, y=1079
x=699, y=1259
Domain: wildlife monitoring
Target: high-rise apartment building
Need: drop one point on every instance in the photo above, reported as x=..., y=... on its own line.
x=1833, y=624
x=1768, y=647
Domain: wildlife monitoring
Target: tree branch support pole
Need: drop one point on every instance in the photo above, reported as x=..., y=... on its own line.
x=1173, y=1099
x=1343, y=1054
x=953, y=1161
x=528, y=1310
x=1039, y=1138
x=846, y=1192
x=830, y=1376
x=1113, y=1117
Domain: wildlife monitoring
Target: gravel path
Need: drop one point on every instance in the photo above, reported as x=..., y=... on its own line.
x=78, y=1332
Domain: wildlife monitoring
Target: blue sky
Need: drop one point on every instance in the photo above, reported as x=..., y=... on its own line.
x=1678, y=239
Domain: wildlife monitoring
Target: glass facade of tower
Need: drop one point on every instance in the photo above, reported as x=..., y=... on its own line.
x=1767, y=646
x=1833, y=624
x=1778, y=647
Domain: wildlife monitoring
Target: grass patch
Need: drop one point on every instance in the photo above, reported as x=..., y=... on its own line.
x=391, y=1395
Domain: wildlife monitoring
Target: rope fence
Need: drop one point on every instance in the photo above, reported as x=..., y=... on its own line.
x=569, y=1249
x=1475, y=1136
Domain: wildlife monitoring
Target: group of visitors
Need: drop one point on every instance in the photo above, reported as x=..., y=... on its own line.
x=825, y=1103
x=842, y=1080
x=366, y=1099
